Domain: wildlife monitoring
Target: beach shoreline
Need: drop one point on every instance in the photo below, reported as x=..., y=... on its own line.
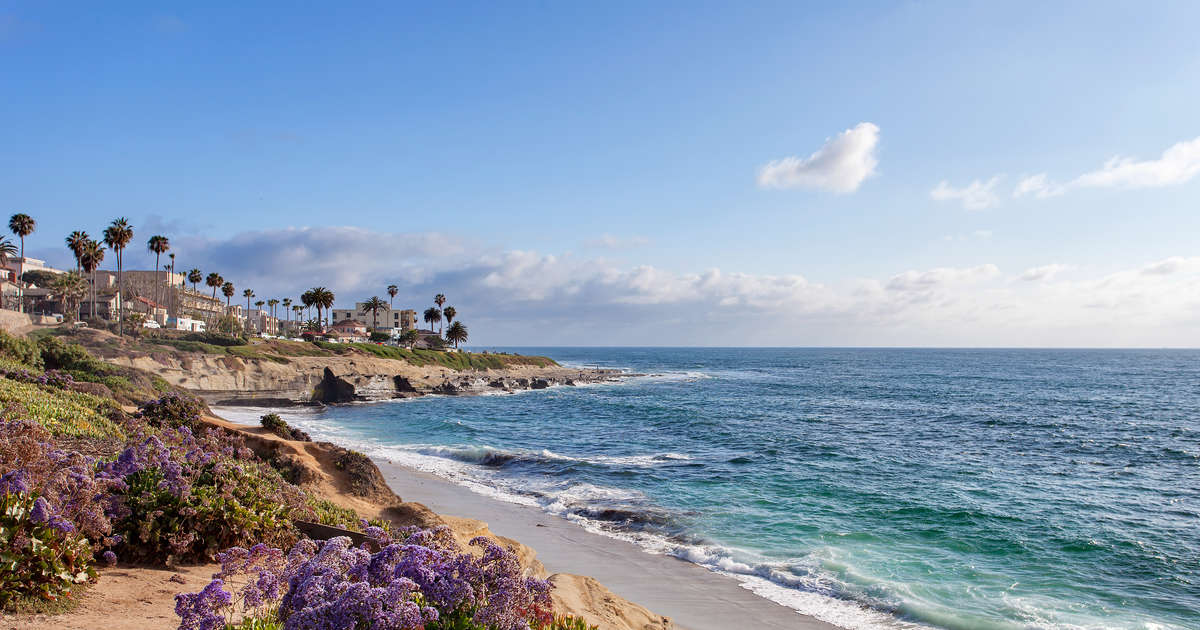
x=692, y=596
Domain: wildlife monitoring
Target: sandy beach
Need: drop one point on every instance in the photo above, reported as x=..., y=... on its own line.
x=692, y=596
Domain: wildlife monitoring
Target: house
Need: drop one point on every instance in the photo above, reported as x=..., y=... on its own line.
x=184, y=323
x=153, y=310
x=349, y=330
x=261, y=322
x=386, y=318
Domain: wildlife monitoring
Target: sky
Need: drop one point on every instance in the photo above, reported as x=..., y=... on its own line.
x=666, y=173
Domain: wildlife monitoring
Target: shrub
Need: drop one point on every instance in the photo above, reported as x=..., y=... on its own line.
x=20, y=350
x=173, y=410
x=379, y=337
x=364, y=476
x=187, y=497
x=215, y=338
x=273, y=423
x=327, y=512
x=72, y=357
x=44, y=557
x=419, y=581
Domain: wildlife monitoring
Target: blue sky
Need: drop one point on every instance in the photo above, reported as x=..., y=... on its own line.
x=574, y=174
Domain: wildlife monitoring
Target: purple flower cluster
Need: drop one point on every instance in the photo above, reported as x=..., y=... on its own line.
x=52, y=378
x=413, y=581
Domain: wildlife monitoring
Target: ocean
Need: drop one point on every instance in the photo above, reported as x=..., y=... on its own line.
x=874, y=488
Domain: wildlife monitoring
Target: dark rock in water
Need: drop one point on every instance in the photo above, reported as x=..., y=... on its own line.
x=570, y=382
x=539, y=383
x=403, y=384
x=498, y=384
x=333, y=389
x=447, y=388
x=520, y=383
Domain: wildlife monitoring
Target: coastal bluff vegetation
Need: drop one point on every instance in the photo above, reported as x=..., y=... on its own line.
x=223, y=369
x=128, y=505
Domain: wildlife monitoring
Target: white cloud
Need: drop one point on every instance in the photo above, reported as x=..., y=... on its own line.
x=841, y=165
x=608, y=241
x=978, y=195
x=536, y=298
x=1044, y=272
x=1177, y=165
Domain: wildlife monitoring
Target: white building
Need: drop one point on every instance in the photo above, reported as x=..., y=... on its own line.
x=386, y=318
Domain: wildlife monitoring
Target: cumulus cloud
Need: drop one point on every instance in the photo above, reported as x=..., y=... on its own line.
x=608, y=241
x=840, y=166
x=1043, y=272
x=977, y=195
x=1178, y=164
x=521, y=297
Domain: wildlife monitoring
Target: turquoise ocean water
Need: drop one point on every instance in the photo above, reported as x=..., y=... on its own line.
x=874, y=488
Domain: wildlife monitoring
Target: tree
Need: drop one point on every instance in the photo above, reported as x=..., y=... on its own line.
x=432, y=316
x=374, y=305
x=271, y=304
x=457, y=333
x=22, y=225
x=248, y=293
x=322, y=298
x=297, y=309
x=287, y=304
x=69, y=288
x=215, y=281
x=117, y=235
x=409, y=337
x=7, y=251
x=439, y=299
x=227, y=290
x=159, y=245
x=195, y=276
x=75, y=243
x=90, y=259
x=449, y=312
x=135, y=321
x=306, y=299
x=392, y=291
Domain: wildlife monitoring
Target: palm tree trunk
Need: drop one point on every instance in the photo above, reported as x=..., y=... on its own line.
x=120, y=295
x=156, y=255
x=21, y=272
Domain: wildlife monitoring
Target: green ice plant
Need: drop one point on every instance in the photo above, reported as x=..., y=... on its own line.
x=42, y=557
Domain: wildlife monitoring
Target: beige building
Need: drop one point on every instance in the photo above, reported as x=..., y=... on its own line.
x=404, y=319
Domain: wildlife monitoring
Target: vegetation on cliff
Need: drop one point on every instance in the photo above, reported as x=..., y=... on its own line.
x=178, y=488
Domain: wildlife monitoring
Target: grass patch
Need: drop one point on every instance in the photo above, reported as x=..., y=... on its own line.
x=29, y=605
x=62, y=412
x=457, y=361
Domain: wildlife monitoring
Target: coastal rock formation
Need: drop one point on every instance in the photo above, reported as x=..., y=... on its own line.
x=223, y=379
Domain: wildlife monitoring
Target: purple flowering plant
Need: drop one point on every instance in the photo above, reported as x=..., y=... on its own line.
x=419, y=580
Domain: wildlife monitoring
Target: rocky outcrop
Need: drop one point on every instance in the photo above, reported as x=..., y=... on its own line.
x=226, y=380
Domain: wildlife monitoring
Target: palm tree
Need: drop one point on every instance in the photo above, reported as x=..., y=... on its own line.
x=456, y=332
x=322, y=298
x=228, y=291
x=287, y=304
x=432, y=316
x=449, y=312
x=439, y=299
x=75, y=243
x=171, y=286
x=69, y=288
x=22, y=225
x=7, y=250
x=374, y=305
x=215, y=281
x=306, y=299
x=195, y=276
x=271, y=304
x=297, y=309
x=159, y=245
x=248, y=293
x=259, y=304
x=90, y=259
x=392, y=291
x=117, y=235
